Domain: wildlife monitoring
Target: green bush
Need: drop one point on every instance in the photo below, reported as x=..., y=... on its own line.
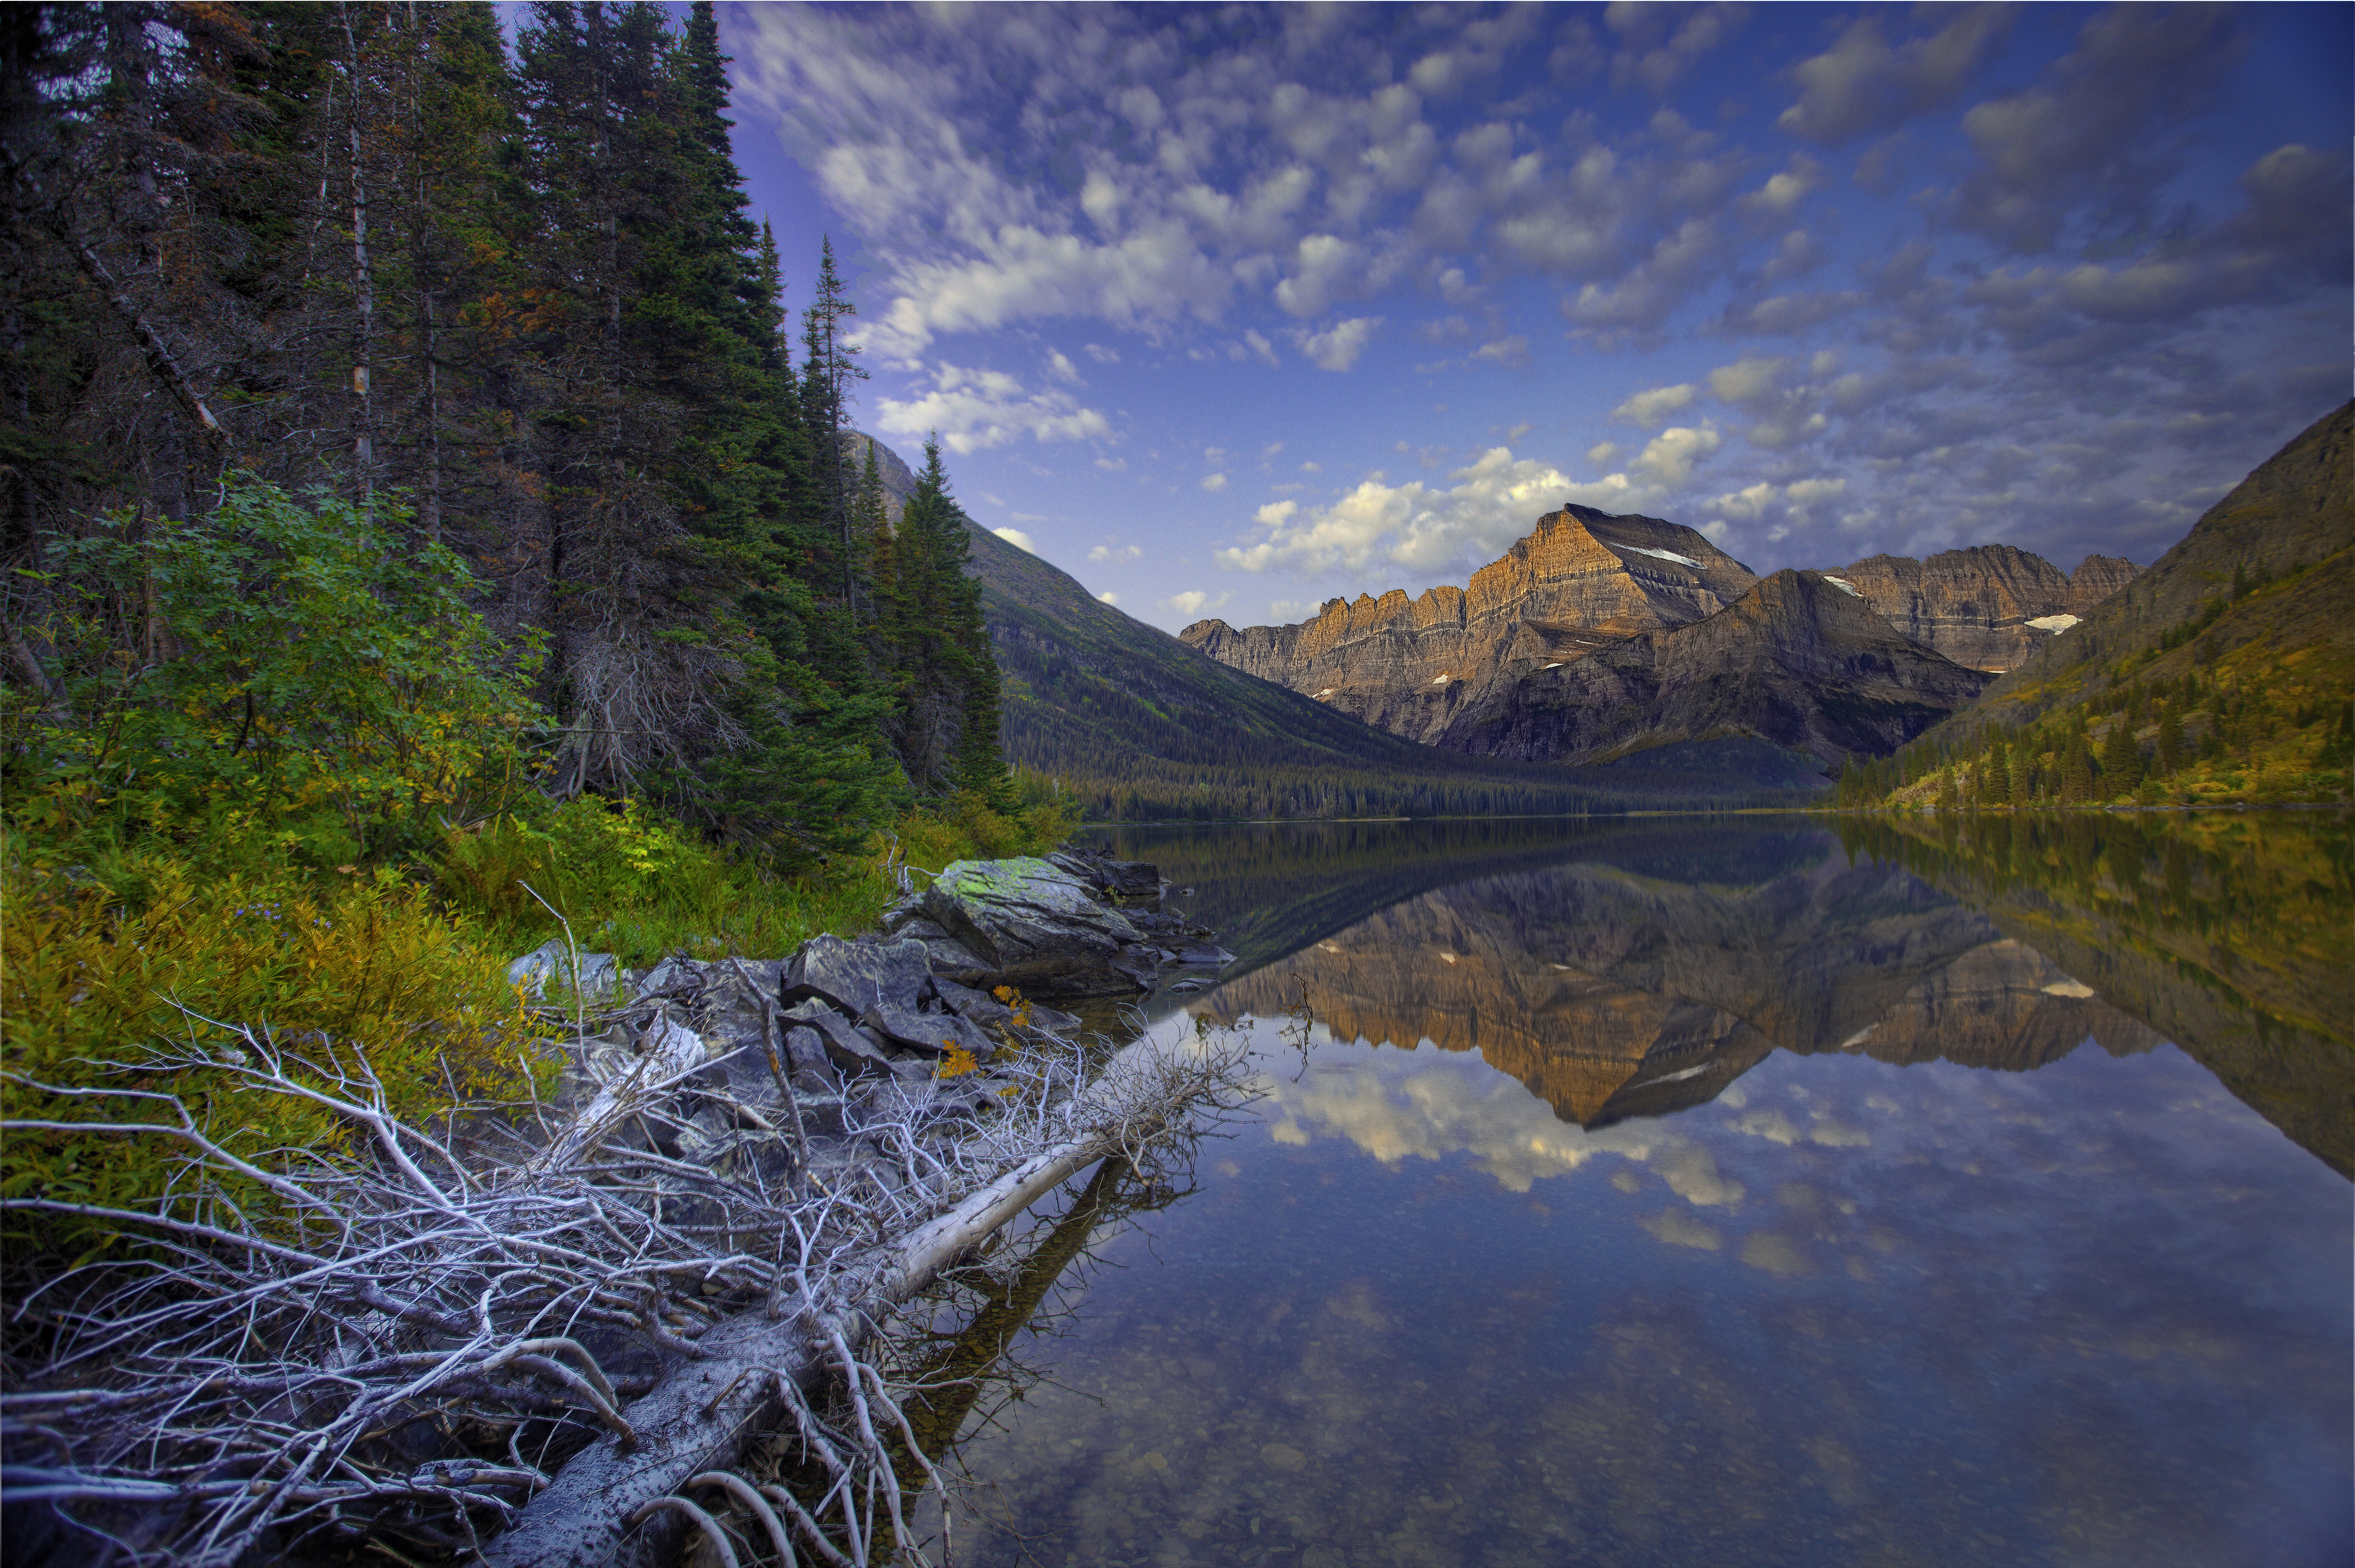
x=289, y=667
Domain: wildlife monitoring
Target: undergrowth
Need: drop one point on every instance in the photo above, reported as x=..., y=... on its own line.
x=277, y=776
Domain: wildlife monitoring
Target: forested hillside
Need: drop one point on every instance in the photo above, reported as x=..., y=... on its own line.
x=498, y=315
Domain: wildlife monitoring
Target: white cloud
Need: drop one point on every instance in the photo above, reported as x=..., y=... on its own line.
x=1113, y=464
x=1062, y=369
x=1258, y=345
x=1109, y=597
x=1100, y=354
x=1214, y=482
x=1017, y=537
x=1283, y=612
x=1812, y=492
x=1746, y=505
x=1746, y=379
x=1194, y=602
x=973, y=409
x=1312, y=468
x=1338, y=348
x=1421, y=526
x=1671, y=456
x=1116, y=552
x=1510, y=352
x=1601, y=452
x=1651, y=409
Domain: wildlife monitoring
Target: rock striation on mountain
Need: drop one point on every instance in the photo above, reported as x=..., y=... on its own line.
x=1581, y=580
x=1989, y=607
x=1798, y=660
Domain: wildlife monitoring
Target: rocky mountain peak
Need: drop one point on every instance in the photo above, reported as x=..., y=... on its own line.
x=1581, y=580
x=1989, y=607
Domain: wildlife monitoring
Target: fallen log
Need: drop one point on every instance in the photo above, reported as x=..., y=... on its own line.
x=753, y=1369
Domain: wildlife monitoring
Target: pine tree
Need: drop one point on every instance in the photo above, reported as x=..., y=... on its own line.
x=2076, y=769
x=2170, y=738
x=2121, y=759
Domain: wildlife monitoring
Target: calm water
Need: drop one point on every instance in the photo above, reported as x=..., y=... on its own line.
x=1682, y=1193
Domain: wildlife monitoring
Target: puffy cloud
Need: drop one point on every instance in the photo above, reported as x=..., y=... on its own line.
x=1746, y=505
x=1194, y=604
x=1660, y=44
x=1017, y=537
x=1863, y=83
x=1510, y=352
x=1425, y=527
x=1109, y=597
x=1746, y=380
x=1338, y=347
x=1214, y=482
x=1651, y=408
x=1670, y=457
x=972, y=409
x=1116, y=552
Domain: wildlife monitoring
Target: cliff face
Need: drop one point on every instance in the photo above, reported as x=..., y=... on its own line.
x=1581, y=580
x=1798, y=660
x=1981, y=606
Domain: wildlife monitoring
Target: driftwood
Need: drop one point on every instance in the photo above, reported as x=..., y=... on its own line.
x=525, y=1342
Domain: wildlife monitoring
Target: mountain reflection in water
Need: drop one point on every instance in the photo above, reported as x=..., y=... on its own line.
x=1688, y=1192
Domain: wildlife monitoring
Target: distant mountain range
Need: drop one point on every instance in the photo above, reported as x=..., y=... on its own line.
x=1142, y=726
x=1612, y=660
x=1600, y=636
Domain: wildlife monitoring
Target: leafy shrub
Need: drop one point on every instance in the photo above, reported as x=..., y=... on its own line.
x=104, y=979
x=286, y=664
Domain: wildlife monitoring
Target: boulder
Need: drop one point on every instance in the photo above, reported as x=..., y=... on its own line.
x=856, y=975
x=931, y=1034
x=601, y=973
x=1113, y=879
x=846, y=1046
x=1033, y=924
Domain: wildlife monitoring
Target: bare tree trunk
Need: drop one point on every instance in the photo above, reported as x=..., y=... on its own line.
x=363, y=283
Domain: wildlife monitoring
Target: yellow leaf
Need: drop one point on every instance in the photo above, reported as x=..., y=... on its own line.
x=957, y=1063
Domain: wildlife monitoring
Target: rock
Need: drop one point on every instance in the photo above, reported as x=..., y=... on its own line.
x=805, y=1048
x=953, y=961
x=1114, y=878
x=601, y=973
x=931, y=1034
x=1034, y=925
x=673, y=973
x=1203, y=956
x=846, y=1045
x=974, y=1007
x=855, y=976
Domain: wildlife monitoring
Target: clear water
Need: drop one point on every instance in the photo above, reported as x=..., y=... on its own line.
x=1730, y=1197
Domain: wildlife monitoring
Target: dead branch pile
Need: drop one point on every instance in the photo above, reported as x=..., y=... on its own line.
x=523, y=1338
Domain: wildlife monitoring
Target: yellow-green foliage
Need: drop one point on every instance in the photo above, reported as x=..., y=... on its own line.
x=105, y=978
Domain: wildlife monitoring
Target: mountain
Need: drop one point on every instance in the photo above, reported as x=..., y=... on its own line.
x=1799, y=661
x=1581, y=580
x=1140, y=725
x=1989, y=607
x=2223, y=672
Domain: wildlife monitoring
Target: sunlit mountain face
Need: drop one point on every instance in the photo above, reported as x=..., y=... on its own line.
x=1235, y=312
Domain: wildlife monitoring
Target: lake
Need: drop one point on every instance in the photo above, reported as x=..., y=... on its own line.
x=1712, y=1191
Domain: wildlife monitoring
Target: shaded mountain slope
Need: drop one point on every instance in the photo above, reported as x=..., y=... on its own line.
x=2293, y=516
x=1797, y=661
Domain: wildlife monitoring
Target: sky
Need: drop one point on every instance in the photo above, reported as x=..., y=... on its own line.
x=1233, y=310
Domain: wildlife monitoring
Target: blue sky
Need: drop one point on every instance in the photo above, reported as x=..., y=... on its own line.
x=1230, y=310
